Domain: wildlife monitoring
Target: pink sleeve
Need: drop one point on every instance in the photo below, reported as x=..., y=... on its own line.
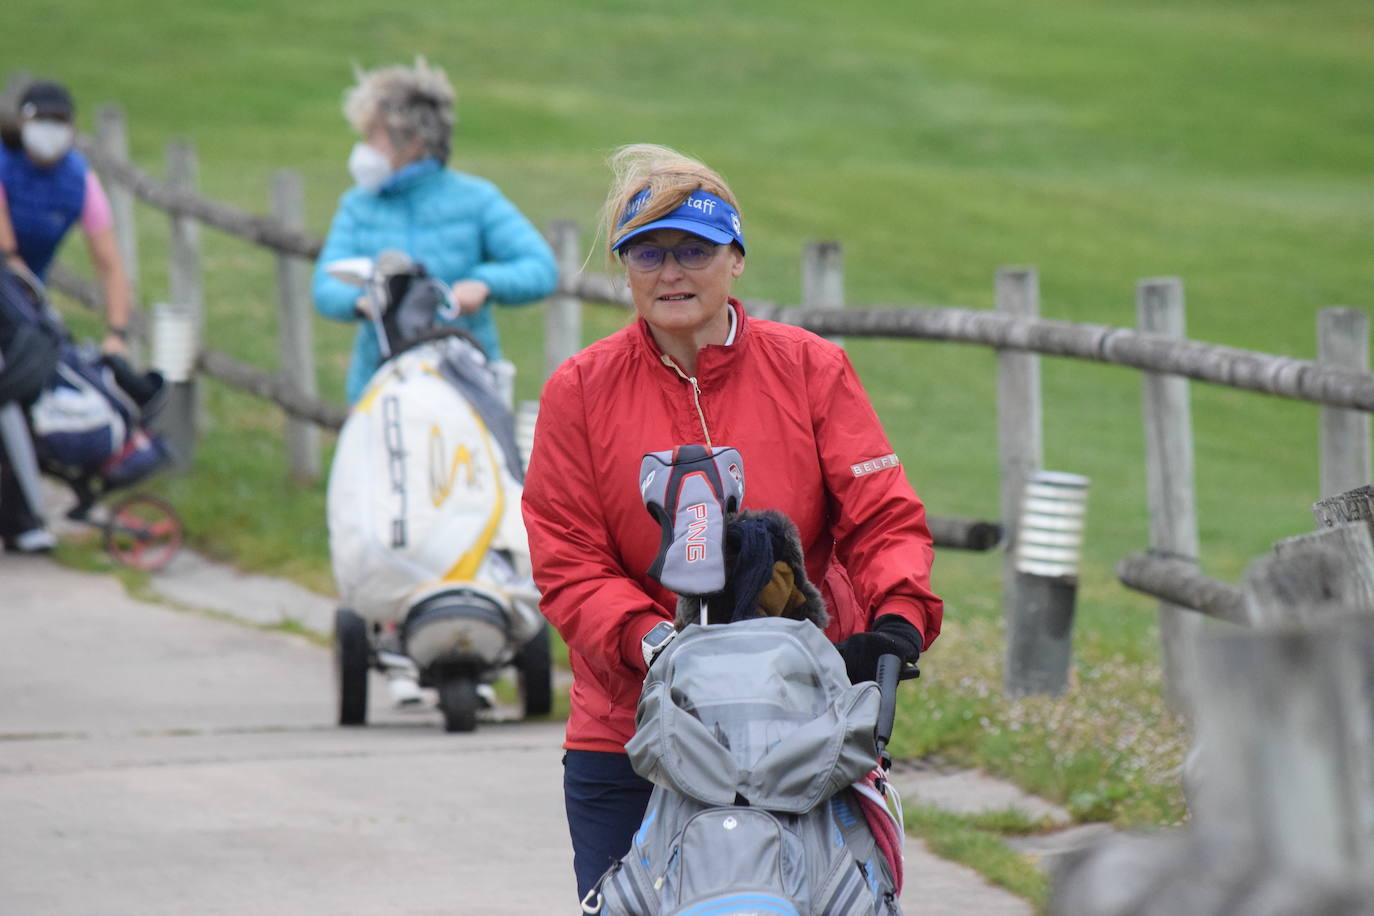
x=95, y=212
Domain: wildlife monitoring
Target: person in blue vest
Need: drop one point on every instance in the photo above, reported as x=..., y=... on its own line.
x=459, y=226
x=46, y=188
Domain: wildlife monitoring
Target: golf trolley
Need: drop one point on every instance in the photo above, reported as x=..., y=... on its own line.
x=428, y=546
x=81, y=417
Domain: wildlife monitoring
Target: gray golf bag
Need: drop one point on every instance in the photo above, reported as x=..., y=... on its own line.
x=754, y=739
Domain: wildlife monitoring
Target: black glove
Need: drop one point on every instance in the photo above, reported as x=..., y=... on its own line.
x=891, y=635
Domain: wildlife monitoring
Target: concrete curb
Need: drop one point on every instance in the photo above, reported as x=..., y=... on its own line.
x=194, y=581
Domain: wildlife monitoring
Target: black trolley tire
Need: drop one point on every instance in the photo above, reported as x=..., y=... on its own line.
x=459, y=701
x=351, y=663
x=534, y=667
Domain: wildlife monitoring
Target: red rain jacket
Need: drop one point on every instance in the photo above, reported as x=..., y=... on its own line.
x=812, y=446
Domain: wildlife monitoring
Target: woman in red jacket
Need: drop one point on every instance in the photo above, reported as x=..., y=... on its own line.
x=694, y=368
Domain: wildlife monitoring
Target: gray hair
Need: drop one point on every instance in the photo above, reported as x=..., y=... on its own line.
x=409, y=102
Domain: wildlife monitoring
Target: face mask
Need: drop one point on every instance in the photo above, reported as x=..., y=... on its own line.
x=369, y=167
x=47, y=141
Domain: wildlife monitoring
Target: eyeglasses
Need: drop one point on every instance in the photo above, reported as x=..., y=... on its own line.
x=691, y=255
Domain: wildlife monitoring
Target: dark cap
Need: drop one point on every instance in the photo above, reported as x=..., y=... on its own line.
x=47, y=100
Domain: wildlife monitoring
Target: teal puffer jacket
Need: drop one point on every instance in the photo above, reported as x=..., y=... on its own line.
x=459, y=226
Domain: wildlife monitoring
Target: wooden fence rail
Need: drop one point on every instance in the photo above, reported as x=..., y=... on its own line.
x=175, y=201
x=1345, y=529
x=236, y=374
x=1233, y=367
x=1178, y=582
x=1282, y=376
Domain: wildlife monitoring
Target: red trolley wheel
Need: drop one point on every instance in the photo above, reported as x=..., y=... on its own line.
x=143, y=532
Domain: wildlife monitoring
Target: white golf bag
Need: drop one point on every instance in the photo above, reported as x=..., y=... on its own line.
x=427, y=543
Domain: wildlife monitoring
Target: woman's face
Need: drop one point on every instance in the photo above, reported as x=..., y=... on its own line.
x=379, y=139
x=675, y=299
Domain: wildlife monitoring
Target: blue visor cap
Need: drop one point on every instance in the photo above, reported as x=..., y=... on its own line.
x=702, y=213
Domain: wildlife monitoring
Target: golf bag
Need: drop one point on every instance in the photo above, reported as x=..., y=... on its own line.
x=86, y=410
x=754, y=739
x=89, y=419
x=425, y=488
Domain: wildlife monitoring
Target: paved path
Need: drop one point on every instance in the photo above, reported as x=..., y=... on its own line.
x=153, y=761
x=157, y=761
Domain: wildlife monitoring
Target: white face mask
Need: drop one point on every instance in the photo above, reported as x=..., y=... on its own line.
x=47, y=141
x=369, y=167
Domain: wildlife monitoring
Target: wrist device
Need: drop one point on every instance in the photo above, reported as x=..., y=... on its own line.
x=656, y=640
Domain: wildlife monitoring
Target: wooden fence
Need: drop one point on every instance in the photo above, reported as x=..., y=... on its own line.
x=1339, y=381
x=1281, y=779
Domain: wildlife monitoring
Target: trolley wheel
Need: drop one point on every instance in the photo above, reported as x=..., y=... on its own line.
x=459, y=700
x=351, y=666
x=143, y=532
x=534, y=667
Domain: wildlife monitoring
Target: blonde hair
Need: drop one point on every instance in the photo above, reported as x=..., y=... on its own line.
x=409, y=102
x=670, y=177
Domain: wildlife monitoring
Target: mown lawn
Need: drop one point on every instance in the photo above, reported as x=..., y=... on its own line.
x=1229, y=143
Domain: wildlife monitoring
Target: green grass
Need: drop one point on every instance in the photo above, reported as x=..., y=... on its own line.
x=83, y=552
x=1229, y=143
x=976, y=841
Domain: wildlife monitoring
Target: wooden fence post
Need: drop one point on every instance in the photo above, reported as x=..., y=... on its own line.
x=1356, y=505
x=112, y=137
x=1169, y=477
x=1343, y=340
x=180, y=419
x=295, y=341
x=823, y=278
x=15, y=84
x=1020, y=445
x=1313, y=577
x=563, y=312
x=1286, y=733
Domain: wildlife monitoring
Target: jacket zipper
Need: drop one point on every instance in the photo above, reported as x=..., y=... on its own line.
x=696, y=393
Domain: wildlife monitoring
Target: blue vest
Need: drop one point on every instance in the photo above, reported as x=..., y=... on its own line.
x=43, y=201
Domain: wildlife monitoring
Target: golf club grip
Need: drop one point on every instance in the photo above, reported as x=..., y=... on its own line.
x=889, y=667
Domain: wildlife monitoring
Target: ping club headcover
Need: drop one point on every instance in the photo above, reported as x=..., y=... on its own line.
x=690, y=491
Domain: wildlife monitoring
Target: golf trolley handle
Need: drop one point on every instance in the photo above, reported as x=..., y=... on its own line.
x=891, y=670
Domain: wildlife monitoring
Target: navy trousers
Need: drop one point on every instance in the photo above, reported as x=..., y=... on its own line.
x=605, y=799
x=16, y=515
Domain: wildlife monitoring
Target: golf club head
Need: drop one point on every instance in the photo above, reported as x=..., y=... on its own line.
x=353, y=271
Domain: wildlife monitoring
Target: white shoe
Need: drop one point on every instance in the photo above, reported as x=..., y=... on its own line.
x=404, y=689
x=35, y=540
x=486, y=694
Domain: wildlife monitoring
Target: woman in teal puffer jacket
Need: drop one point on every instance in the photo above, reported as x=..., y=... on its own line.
x=460, y=227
